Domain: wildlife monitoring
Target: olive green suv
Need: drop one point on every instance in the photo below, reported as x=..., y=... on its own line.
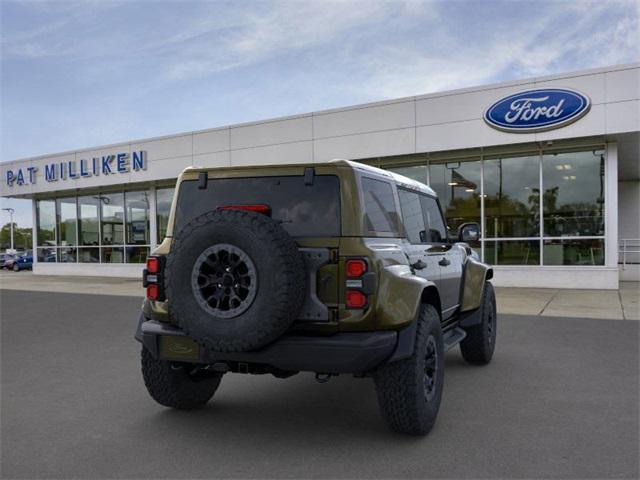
x=331, y=268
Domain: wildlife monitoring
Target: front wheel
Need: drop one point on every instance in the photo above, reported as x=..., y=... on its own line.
x=478, y=346
x=410, y=390
x=176, y=385
x=16, y=268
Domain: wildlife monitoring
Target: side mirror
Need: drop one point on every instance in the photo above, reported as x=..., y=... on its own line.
x=469, y=232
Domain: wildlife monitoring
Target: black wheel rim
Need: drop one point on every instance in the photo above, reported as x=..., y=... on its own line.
x=224, y=280
x=431, y=365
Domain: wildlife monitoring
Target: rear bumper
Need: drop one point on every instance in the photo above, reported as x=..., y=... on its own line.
x=348, y=352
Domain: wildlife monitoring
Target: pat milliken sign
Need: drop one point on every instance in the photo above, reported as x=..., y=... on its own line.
x=537, y=110
x=105, y=165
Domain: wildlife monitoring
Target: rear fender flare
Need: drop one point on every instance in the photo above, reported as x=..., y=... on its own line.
x=399, y=296
x=406, y=336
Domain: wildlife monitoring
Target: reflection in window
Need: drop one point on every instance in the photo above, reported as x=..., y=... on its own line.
x=137, y=217
x=67, y=255
x=88, y=220
x=89, y=255
x=164, y=196
x=412, y=217
x=112, y=218
x=67, y=221
x=573, y=252
x=46, y=255
x=415, y=172
x=380, y=206
x=112, y=255
x=573, y=198
x=437, y=231
x=458, y=187
x=512, y=197
x=512, y=252
x=46, y=218
x=136, y=254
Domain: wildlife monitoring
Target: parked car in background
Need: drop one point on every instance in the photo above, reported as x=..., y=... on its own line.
x=23, y=262
x=7, y=260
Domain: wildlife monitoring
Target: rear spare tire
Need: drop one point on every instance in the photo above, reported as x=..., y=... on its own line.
x=235, y=280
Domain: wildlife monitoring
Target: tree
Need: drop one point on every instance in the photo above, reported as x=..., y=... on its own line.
x=21, y=237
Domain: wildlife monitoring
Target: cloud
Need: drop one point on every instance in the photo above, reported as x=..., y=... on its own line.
x=558, y=39
x=286, y=27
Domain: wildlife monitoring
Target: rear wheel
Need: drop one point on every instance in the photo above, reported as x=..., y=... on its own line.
x=478, y=346
x=410, y=390
x=177, y=385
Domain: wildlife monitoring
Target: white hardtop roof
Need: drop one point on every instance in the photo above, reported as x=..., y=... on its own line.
x=396, y=177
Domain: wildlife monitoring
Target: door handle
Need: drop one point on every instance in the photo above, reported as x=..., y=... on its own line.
x=444, y=262
x=419, y=265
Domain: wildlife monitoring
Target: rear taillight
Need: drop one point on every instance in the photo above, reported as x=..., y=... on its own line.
x=355, y=270
x=355, y=267
x=152, y=278
x=153, y=265
x=356, y=299
x=153, y=291
x=258, y=208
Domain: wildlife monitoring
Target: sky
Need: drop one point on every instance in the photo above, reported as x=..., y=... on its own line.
x=87, y=73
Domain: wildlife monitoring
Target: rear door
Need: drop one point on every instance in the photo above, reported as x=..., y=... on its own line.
x=446, y=255
x=416, y=230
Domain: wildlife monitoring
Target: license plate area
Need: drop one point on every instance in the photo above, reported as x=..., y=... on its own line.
x=178, y=348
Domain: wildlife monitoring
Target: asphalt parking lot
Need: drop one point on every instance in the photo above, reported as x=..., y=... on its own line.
x=560, y=400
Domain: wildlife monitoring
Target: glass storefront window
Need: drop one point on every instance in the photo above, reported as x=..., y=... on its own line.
x=112, y=255
x=67, y=255
x=573, y=198
x=46, y=255
x=137, y=254
x=458, y=187
x=512, y=252
x=164, y=196
x=137, y=218
x=512, y=197
x=112, y=218
x=88, y=224
x=574, y=252
x=89, y=255
x=67, y=221
x=46, y=218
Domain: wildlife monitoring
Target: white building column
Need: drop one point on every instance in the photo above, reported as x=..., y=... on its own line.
x=611, y=205
x=153, y=218
x=34, y=231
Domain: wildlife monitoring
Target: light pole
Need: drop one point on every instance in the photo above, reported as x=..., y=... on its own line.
x=11, y=211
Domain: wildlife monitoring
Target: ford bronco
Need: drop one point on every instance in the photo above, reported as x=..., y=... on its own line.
x=332, y=268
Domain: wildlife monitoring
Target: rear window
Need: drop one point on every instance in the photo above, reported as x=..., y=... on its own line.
x=380, y=206
x=303, y=210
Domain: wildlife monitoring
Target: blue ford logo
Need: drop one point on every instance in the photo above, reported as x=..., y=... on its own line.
x=537, y=110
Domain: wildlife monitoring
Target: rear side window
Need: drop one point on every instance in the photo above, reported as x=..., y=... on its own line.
x=437, y=232
x=412, y=217
x=303, y=210
x=380, y=206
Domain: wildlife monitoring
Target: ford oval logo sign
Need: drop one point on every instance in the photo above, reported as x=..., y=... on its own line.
x=537, y=110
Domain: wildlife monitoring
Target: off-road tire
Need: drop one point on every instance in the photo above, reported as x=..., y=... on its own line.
x=400, y=384
x=281, y=280
x=170, y=383
x=478, y=346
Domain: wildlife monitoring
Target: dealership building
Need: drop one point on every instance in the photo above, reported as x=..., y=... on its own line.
x=549, y=166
